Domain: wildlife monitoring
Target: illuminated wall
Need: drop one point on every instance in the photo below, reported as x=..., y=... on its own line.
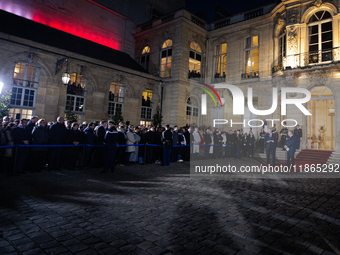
x=78, y=17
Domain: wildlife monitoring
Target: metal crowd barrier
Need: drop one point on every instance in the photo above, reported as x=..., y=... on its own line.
x=90, y=145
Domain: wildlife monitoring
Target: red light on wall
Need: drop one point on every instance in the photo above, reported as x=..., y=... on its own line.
x=78, y=30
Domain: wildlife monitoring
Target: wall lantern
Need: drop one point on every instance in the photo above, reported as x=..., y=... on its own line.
x=65, y=76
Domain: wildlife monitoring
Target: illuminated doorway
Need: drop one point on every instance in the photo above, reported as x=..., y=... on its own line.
x=320, y=125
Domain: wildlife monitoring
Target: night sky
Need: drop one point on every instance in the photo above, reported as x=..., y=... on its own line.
x=232, y=6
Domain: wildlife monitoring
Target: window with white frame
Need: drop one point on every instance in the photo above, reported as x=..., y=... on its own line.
x=281, y=45
x=76, y=94
x=144, y=60
x=220, y=61
x=251, y=57
x=147, y=99
x=166, y=59
x=24, y=90
x=195, y=58
x=192, y=111
x=116, y=99
x=320, y=37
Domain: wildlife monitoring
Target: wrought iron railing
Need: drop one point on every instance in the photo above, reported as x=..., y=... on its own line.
x=312, y=58
x=250, y=75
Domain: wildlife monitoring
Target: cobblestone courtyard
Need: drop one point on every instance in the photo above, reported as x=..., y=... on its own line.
x=161, y=210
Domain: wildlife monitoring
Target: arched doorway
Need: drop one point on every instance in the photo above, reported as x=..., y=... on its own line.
x=192, y=113
x=320, y=125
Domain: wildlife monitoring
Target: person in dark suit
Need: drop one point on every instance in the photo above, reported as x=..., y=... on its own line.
x=174, y=142
x=99, y=152
x=298, y=135
x=150, y=137
x=290, y=146
x=89, y=139
x=245, y=145
x=270, y=141
x=251, y=143
x=57, y=135
x=121, y=140
x=39, y=137
x=21, y=136
x=110, y=139
x=208, y=141
x=230, y=144
x=188, y=139
x=167, y=142
x=75, y=137
x=238, y=144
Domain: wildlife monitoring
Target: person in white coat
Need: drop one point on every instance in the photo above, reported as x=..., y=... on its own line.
x=196, y=147
x=130, y=140
x=134, y=154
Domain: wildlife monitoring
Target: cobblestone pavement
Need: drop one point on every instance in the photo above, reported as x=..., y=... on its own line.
x=161, y=210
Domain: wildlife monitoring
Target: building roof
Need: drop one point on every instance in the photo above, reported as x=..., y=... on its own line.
x=27, y=29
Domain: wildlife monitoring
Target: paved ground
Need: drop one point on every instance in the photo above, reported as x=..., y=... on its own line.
x=160, y=210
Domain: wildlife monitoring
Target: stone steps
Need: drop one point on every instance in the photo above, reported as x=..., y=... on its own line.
x=280, y=154
x=334, y=158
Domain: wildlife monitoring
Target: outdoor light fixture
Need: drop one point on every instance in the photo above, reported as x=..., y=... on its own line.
x=1, y=86
x=66, y=76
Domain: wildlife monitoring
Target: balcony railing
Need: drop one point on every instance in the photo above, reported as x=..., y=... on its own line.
x=312, y=58
x=146, y=26
x=222, y=23
x=250, y=75
x=253, y=14
x=197, y=21
x=168, y=18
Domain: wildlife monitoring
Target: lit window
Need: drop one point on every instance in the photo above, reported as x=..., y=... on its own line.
x=145, y=123
x=195, y=58
x=251, y=57
x=144, y=60
x=26, y=75
x=320, y=37
x=17, y=113
x=76, y=93
x=116, y=98
x=147, y=99
x=24, y=89
x=166, y=59
x=220, y=59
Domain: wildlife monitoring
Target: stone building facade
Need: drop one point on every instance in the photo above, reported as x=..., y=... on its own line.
x=290, y=44
x=41, y=40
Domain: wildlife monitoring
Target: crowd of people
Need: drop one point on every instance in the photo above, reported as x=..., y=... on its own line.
x=74, y=89
x=194, y=74
x=132, y=141
x=137, y=144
